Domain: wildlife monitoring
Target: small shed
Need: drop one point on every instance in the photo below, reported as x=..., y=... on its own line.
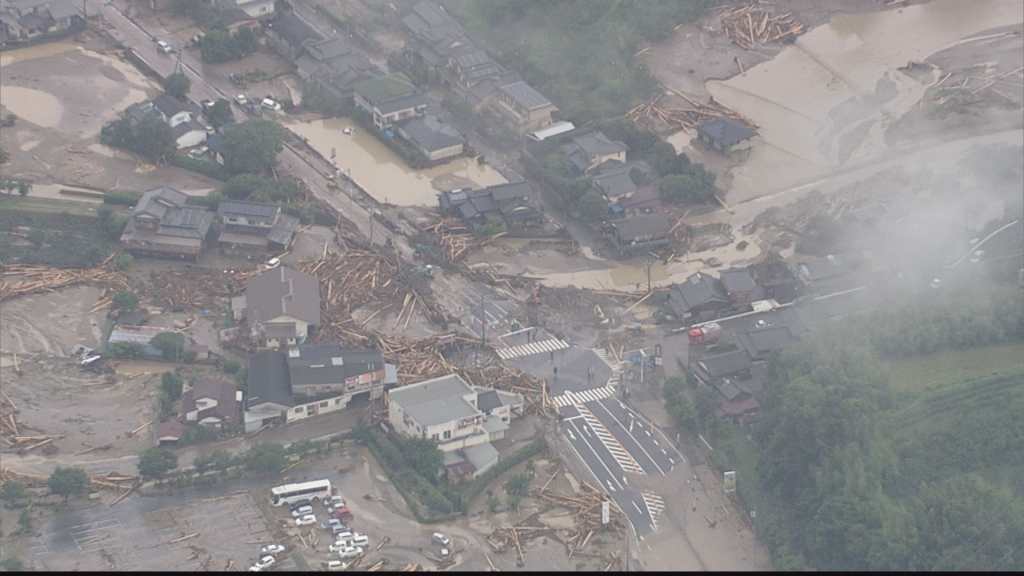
x=169, y=432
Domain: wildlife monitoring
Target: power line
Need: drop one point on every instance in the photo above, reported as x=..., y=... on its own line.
x=1007, y=557
x=935, y=567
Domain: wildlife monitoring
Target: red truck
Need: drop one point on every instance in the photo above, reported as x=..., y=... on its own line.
x=706, y=333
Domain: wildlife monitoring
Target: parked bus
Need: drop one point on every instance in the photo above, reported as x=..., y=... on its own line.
x=289, y=493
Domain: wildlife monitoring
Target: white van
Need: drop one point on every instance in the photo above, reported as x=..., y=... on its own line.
x=336, y=566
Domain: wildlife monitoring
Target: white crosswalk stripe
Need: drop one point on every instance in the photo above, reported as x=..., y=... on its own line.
x=608, y=359
x=532, y=348
x=591, y=395
x=655, y=506
x=618, y=452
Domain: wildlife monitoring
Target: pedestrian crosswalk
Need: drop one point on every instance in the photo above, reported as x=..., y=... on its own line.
x=655, y=506
x=532, y=348
x=608, y=359
x=568, y=398
x=614, y=447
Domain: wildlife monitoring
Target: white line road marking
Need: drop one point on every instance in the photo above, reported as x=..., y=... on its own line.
x=610, y=487
x=648, y=432
x=532, y=348
x=656, y=443
x=598, y=459
x=637, y=507
x=605, y=408
x=665, y=453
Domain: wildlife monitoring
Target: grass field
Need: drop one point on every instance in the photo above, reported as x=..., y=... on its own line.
x=919, y=372
x=46, y=205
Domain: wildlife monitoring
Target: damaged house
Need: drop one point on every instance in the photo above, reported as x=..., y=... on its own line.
x=510, y=203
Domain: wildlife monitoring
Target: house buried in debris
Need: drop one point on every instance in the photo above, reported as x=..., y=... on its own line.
x=726, y=134
x=281, y=306
x=511, y=203
x=641, y=233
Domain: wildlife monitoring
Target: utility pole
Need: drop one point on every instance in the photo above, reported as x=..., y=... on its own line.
x=648, y=274
x=371, y=227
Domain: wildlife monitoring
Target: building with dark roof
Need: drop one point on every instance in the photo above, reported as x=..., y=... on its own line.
x=161, y=224
x=641, y=233
x=253, y=8
x=328, y=370
x=183, y=116
x=726, y=134
x=587, y=151
x=335, y=66
x=434, y=139
x=211, y=402
x=510, y=202
x=282, y=306
x=24, y=20
x=390, y=99
x=760, y=342
x=254, y=227
x=289, y=35
x=740, y=286
x=699, y=297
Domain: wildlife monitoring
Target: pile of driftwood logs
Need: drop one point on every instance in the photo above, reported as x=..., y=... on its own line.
x=587, y=508
x=747, y=25
x=961, y=89
x=39, y=279
x=197, y=287
x=14, y=437
x=653, y=113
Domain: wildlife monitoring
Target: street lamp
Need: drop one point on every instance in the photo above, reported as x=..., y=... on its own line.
x=649, y=274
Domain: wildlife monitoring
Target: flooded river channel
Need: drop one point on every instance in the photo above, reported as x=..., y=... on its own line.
x=381, y=172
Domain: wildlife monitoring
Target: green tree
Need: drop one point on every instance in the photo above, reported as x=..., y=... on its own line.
x=245, y=41
x=265, y=457
x=122, y=260
x=127, y=349
x=4, y=156
x=154, y=139
x=156, y=462
x=232, y=366
x=252, y=146
x=219, y=113
x=171, y=385
x=250, y=186
x=423, y=456
x=217, y=46
x=119, y=134
x=124, y=301
x=203, y=462
x=222, y=459
x=493, y=226
x=518, y=485
x=665, y=161
x=68, y=482
x=512, y=501
x=24, y=188
x=593, y=205
x=12, y=564
x=13, y=490
x=170, y=344
x=177, y=85
x=706, y=403
x=242, y=380
x=678, y=188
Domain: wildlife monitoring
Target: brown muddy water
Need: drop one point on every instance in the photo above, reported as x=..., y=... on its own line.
x=381, y=172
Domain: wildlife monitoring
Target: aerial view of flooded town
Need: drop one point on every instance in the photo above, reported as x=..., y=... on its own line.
x=511, y=285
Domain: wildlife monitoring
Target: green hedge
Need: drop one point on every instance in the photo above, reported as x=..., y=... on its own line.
x=123, y=197
x=473, y=489
x=406, y=480
x=205, y=168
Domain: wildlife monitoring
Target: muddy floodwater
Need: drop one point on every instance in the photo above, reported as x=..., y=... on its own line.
x=381, y=172
x=828, y=99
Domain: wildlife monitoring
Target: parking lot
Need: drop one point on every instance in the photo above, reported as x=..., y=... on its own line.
x=140, y=534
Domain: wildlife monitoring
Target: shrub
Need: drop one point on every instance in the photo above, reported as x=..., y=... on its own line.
x=215, y=171
x=232, y=366
x=122, y=197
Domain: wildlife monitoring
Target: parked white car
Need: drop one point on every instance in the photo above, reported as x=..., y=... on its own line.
x=302, y=511
x=241, y=100
x=336, y=566
x=350, y=552
x=271, y=549
x=262, y=564
x=163, y=47
x=272, y=263
x=306, y=520
x=335, y=501
x=270, y=104
x=339, y=546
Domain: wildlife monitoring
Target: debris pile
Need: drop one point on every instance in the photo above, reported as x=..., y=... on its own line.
x=197, y=287
x=15, y=438
x=963, y=88
x=455, y=238
x=587, y=508
x=111, y=481
x=515, y=537
x=747, y=25
x=48, y=279
x=655, y=115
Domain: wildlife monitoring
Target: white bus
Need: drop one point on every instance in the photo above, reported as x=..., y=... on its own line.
x=289, y=493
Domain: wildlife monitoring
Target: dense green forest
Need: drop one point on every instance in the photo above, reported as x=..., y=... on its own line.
x=868, y=478
x=578, y=53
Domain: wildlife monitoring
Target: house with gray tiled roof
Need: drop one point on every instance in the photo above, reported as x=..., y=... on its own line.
x=726, y=134
x=290, y=36
x=254, y=227
x=183, y=116
x=522, y=108
x=390, y=99
x=24, y=20
x=587, y=151
x=434, y=139
x=336, y=66
x=282, y=306
x=640, y=233
x=699, y=297
x=161, y=224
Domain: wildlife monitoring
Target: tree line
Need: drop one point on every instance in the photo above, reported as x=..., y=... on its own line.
x=865, y=487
